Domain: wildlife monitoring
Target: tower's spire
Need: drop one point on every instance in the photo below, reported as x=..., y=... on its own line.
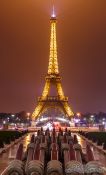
x=53, y=62
x=53, y=13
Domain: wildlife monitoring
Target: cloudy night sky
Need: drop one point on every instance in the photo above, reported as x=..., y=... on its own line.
x=24, y=52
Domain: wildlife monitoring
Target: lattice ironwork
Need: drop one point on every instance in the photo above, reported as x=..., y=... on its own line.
x=52, y=78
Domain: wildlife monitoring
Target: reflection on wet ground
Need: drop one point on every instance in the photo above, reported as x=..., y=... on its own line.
x=98, y=155
x=10, y=154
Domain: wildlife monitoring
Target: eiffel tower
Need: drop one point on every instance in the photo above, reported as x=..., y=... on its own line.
x=53, y=78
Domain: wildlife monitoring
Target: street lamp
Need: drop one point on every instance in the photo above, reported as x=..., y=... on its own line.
x=4, y=122
x=79, y=114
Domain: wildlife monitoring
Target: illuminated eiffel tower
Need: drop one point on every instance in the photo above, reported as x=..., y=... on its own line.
x=53, y=78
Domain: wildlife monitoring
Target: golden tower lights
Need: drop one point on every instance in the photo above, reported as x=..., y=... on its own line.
x=52, y=78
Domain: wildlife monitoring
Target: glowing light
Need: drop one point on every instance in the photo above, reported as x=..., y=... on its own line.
x=62, y=119
x=53, y=63
x=103, y=123
x=4, y=122
x=53, y=13
x=78, y=114
x=53, y=72
x=37, y=111
x=72, y=124
x=28, y=114
x=13, y=115
x=60, y=91
x=68, y=109
x=48, y=125
x=46, y=89
x=43, y=119
x=76, y=120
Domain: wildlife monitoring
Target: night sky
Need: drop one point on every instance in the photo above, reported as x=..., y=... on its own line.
x=24, y=52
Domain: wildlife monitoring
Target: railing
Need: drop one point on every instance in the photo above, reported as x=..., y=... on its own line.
x=5, y=171
x=52, y=99
x=53, y=77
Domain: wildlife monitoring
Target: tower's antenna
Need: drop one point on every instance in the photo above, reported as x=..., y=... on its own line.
x=53, y=12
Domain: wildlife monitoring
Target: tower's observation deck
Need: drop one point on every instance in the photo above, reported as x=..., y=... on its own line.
x=52, y=99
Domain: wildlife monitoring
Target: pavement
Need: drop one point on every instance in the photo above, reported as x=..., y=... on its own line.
x=10, y=154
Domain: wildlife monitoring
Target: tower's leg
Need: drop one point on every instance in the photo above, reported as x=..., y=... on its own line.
x=68, y=110
x=40, y=105
x=66, y=106
x=60, y=90
x=46, y=90
x=37, y=111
